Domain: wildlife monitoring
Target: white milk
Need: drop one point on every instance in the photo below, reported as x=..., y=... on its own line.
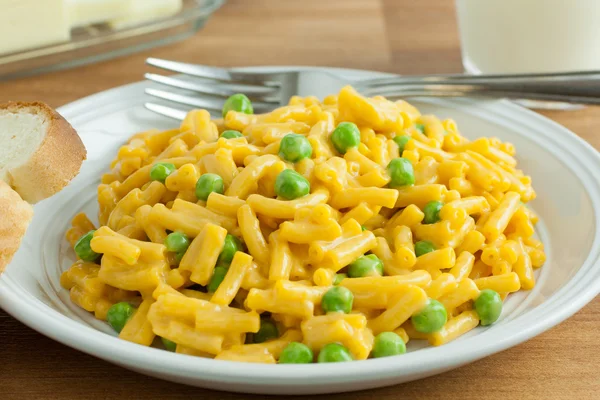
x=512, y=36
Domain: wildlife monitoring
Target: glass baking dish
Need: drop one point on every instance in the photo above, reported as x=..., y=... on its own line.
x=100, y=42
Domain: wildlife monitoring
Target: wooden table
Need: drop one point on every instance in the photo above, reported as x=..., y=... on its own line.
x=403, y=36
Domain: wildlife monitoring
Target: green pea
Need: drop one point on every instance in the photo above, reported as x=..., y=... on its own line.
x=267, y=331
x=401, y=142
x=369, y=265
x=339, y=278
x=118, y=315
x=291, y=185
x=294, y=147
x=83, y=248
x=230, y=247
x=334, y=352
x=401, y=172
x=238, y=102
x=231, y=134
x=296, y=353
x=432, y=212
x=420, y=127
x=423, y=247
x=431, y=318
x=160, y=171
x=338, y=298
x=169, y=345
x=216, y=279
x=177, y=242
x=207, y=184
x=488, y=306
x=388, y=344
x=345, y=136
x=179, y=256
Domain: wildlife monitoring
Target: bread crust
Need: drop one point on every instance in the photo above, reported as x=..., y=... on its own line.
x=15, y=215
x=57, y=160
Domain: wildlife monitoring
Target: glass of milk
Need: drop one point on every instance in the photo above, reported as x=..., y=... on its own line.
x=529, y=36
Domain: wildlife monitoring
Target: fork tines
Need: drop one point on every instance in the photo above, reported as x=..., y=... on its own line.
x=210, y=87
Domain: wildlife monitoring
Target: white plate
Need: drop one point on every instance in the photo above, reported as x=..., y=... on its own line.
x=563, y=168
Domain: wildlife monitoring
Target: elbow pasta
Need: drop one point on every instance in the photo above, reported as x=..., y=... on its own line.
x=293, y=252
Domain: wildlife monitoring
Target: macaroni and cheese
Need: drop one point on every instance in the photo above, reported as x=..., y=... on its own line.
x=322, y=231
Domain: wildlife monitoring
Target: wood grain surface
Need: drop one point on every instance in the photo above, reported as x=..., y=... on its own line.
x=402, y=36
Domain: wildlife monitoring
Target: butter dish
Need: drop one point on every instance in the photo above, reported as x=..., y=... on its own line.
x=70, y=33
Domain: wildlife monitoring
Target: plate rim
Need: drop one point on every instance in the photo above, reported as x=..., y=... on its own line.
x=102, y=345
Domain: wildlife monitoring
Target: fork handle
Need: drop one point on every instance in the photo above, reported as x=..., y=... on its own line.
x=575, y=87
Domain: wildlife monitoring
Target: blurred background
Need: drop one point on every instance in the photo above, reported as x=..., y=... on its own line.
x=402, y=36
x=103, y=43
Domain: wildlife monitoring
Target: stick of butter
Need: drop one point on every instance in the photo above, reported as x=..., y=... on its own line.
x=141, y=11
x=26, y=24
x=88, y=12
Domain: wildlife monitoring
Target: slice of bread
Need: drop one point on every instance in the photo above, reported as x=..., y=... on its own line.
x=15, y=215
x=39, y=150
x=40, y=153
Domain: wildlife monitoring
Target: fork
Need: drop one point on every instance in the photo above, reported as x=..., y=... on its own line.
x=271, y=90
